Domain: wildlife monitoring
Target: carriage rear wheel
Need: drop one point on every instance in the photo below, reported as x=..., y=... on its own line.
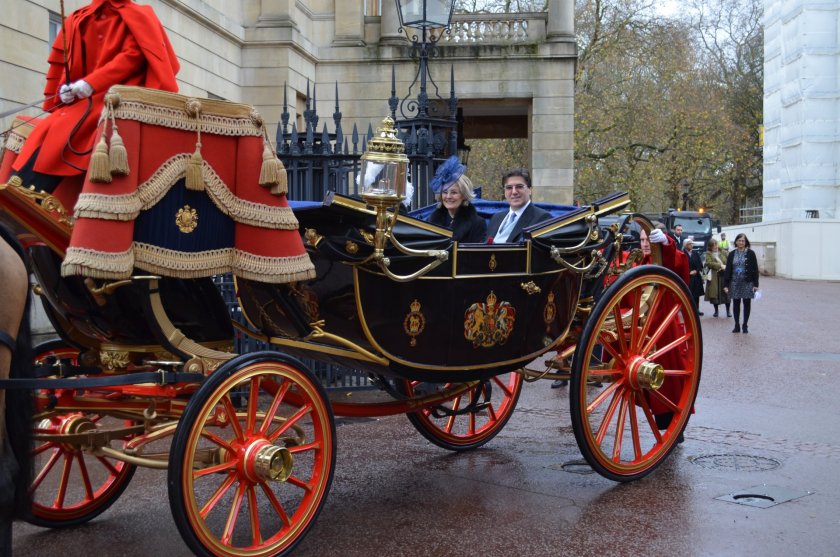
x=635, y=373
x=252, y=459
x=71, y=486
x=460, y=432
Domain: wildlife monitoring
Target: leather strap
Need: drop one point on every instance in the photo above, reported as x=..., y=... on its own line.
x=158, y=377
x=6, y=338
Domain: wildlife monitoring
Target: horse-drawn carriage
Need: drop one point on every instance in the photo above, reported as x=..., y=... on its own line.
x=145, y=375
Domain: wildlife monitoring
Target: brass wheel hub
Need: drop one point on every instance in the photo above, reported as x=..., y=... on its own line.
x=644, y=374
x=264, y=461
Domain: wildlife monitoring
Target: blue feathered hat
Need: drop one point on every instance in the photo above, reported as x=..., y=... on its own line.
x=448, y=172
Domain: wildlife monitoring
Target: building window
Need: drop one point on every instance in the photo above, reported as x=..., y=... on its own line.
x=55, y=27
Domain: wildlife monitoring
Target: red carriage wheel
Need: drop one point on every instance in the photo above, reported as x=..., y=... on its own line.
x=252, y=459
x=461, y=432
x=635, y=373
x=71, y=486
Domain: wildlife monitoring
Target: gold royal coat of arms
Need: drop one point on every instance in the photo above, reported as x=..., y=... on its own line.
x=489, y=323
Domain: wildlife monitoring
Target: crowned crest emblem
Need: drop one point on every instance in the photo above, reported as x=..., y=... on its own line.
x=550, y=309
x=489, y=323
x=414, y=322
x=186, y=219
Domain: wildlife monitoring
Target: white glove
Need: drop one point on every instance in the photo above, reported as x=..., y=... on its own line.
x=66, y=94
x=82, y=89
x=658, y=237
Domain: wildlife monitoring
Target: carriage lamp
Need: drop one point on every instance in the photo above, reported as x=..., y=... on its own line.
x=383, y=176
x=384, y=168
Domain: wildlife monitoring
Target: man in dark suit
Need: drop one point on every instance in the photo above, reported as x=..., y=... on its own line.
x=677, y=235
x=506, y=226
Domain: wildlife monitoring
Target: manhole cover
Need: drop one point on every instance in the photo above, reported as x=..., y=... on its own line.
x=740, y=462
x=574, y=467
x=763, y=496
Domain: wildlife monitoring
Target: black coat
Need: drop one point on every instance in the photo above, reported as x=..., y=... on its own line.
x=531, y=215
x=750, y=270
x=695, y=281
x=467, y=226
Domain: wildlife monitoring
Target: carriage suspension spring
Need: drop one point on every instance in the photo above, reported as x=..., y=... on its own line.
x=476, y=403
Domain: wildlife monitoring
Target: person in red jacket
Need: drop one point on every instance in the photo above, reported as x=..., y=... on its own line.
x=108, y=42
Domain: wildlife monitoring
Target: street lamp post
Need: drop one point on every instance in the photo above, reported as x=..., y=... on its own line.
x=686, y=187
x=424, y=17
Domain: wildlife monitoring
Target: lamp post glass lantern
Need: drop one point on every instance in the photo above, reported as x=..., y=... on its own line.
x=425, y=14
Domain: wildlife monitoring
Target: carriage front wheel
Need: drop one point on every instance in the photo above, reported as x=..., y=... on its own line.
x=635, y=373
x=252, y=459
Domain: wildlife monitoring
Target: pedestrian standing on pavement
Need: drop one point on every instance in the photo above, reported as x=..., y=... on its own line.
x=716, y=263
x=724, y=243
x=740, y=280
x=695, y=273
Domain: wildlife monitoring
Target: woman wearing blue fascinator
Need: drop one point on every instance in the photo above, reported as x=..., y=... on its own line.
x=454, y=191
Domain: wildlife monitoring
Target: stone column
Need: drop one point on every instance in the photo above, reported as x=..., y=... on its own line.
x=349, y=23
x=390, y=22
x=561, y=20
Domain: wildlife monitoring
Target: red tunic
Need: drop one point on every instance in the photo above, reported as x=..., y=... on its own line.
x=110, y=42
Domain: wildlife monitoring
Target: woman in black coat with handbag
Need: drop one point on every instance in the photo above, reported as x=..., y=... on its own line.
x=695, y=273
x=454, y=210
x=741, y=280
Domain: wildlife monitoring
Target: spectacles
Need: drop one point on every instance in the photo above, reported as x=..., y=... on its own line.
x=511, y=187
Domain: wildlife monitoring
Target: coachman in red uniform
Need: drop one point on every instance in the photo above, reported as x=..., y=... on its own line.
x=109, y=42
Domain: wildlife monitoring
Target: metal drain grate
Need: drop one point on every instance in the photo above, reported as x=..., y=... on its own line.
x=763, y=496
x=740, y=462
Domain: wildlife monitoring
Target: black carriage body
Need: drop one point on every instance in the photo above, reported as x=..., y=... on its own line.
x=486, y=310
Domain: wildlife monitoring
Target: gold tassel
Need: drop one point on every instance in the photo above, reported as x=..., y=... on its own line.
x=118, y=155
x=282, y=185
x=268, y=171
x=100, y=165
x=195, y=178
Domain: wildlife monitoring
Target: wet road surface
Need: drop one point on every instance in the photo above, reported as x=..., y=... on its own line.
x=768, y=418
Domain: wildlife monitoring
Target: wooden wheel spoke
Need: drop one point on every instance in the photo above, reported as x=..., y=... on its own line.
x=313, y=446
x=64, y=482
x=604, y=395
x=608, y=416
x=215, y=439
x=83, y=471
x=506, y=390
x=233, y=419
x=42, y=447
x=294, y=418
x=306, y=486
x=276, y=505
x=48, y=466
x=108, y=465
x=214, y=469
x=253, y=401
x=619, y=328
x=670, y=346
x=217, y=495
x=661, y=328
x=619, y=428
x=254, y=515
x=275, y=406
x=634, y=426
x=233, y=514
x=637, y=308
x=665, y=400
x=653, y=302
x=650, y=419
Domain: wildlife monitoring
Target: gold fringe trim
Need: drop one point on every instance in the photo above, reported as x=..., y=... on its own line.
x=178, y=264
x=108, y=207
x=162, y=108
x=20, y=130
x=14, y=142
x=97, y=264
x=149, y=193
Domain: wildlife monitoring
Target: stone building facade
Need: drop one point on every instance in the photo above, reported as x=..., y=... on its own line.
x=514, y=74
